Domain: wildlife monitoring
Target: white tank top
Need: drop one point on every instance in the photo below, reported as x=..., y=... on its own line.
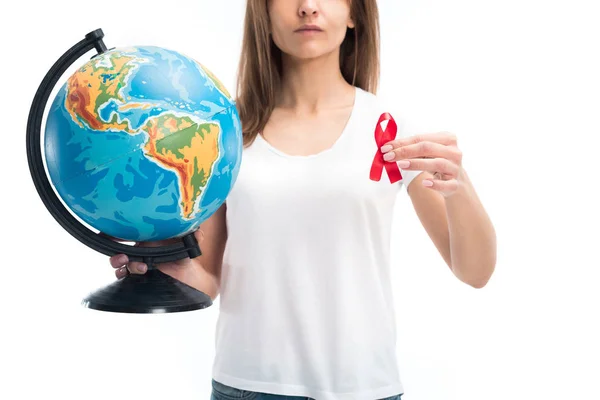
x=306, y=304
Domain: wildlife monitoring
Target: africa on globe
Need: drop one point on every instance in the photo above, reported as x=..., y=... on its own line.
x=143, y=143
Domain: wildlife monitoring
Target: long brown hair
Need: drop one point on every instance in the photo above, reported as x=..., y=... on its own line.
x=259, y=70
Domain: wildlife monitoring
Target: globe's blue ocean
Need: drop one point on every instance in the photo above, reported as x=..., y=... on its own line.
x=109, y=169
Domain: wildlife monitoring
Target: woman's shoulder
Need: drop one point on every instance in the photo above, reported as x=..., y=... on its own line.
x=374, y=101
x=372, y=105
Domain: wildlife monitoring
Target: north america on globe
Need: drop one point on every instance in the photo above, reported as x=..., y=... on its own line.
x=143, y=143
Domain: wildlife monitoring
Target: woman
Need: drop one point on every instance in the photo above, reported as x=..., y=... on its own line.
x=300, y=250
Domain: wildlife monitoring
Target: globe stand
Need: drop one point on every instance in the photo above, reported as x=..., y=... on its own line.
x=152, y=292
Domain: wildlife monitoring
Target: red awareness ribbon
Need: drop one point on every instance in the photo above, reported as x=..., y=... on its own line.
x=382, y=137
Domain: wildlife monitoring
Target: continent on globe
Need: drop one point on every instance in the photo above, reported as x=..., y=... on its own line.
x=93, y=85
x=190, y=149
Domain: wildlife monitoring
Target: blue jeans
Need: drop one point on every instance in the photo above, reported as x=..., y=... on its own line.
x=221, y=391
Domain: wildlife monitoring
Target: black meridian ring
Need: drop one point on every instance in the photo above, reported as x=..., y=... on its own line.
x=187, y=247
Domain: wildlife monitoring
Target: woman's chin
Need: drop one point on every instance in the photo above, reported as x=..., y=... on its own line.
x=307, y=53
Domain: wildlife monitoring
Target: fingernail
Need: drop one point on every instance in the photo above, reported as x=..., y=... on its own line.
x=404, y=163
x=427, y=183
x=388, y=156
x=142, y=268
x=123, y=259
x=386, y=148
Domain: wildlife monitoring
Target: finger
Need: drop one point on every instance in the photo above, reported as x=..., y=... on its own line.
x=121, y=272
x=432, y=165
x=442, y=186
x=118, y=260
x=137, y=267
x=421, y=149
x=445, y=138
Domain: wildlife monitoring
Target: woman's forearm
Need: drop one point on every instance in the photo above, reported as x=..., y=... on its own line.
x=199, y=278
x=472, y=236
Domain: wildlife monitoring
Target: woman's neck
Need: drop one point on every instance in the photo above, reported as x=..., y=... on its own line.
x=312, y=85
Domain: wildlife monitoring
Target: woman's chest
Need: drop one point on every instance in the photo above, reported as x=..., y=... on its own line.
x=306, y=136
x=335, y=178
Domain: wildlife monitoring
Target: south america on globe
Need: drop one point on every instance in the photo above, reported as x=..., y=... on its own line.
x=143, y=143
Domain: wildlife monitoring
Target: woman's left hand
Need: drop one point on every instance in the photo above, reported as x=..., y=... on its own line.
x=436, y=153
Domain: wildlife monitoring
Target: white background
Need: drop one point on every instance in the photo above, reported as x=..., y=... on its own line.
x=517, y=80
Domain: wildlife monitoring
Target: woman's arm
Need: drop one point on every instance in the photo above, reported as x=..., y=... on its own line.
x=472, y=235
x=205, y=275
x=459, y=227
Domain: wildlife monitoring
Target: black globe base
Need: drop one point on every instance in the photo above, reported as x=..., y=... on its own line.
x=152, y=292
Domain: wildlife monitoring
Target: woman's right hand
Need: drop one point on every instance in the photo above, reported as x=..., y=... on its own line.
x=122, y=266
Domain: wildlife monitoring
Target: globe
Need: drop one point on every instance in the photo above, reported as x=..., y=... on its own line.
x=143, y=143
